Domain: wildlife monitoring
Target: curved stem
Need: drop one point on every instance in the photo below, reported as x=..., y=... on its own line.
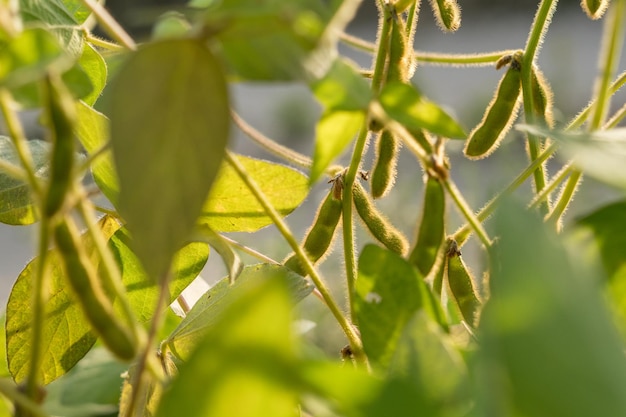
x=348, y=328
x=551, y=186
x=110, y=25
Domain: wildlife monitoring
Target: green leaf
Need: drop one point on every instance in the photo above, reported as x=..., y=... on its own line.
x=16, y=203
x=206, y=311
x=231, y=207
x=27, y=57
x=96, y=69
x=233, y=264
x=342, y=88
x=4, y=366
x=91, y=388
x=171, y=25
x=169, y=109
x=546, y=329
x=78, y=10
x=388, y=293
x=143, y=292
x=66, y=335
x=600, y=154
x=334, y=132
x=247, y=355
x=407, y=106
x=92, y=131
x=58, y=18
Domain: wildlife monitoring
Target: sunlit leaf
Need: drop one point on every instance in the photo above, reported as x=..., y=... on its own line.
x=231, y=207
x=206, y=311
x=342, y=88
x=16, y=203
x=169, y=109
x=248, y=355
x=60, y=20
x=78, y=10
x=600, y=154
x=4, y=366
x=95, y=67
x=406, y=105
x=547, y=339
x=388, y=293
x=334, y=132
x=66, y=334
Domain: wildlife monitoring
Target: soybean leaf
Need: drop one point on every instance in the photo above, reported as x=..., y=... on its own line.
x=92, y=131
x=248, y=354
x=169, y=110
x=342, y=88
x=407, y=106
x=224, y=248
x=600, y=154
x=77, y=9
x=91, y=388
x=4, y=366
x=58, y=19
x=231, y=207
x=66, y=334
x=16, y=203
x=388, y=292
x=27, y=57
x=546, y=329
x=143, y=292
x=95, y=67
x=206, y=311
x=334, y=132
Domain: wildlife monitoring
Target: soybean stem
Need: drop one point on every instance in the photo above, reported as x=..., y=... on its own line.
x=110, y=25
x=384, y=43
x=348, y=328
x=9, y=390
x=467, y=212
x=102, y=43
x=251, y=251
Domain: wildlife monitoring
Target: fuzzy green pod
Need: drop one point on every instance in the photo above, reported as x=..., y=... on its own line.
x=461, y=285
x=83, y=278
x=401, y=64
x=320, y=236
x=447, y=14
x=384, y=170
x=60, y=117
x=430, y=235
x=499, y=116
x=380, y=228
x=543, y=99
x=595, y=8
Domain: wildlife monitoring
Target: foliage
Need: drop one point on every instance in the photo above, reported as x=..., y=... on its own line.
x=88, y=320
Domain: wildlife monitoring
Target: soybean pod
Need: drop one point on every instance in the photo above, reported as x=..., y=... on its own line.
x=379, y=227
x=97, y=307
x=320, y=236
x=60, y=117
x=461, y=284
x=595, y=8
x=384, y=170
x=401, y=64
x=500, y=113
x=430, y=235
x=543, y=100
x=447, y=14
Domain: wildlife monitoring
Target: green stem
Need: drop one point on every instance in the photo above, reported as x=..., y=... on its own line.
x=251, y=251
x=102, y=43
x=584, y=114
x=10, y=391
x=537, y=33
x=616, y=118
x=110, y=25
x=551, y=186
x=14, y=171
x=565, y=198
x=39, y=295
x=347, y=327
x=110, y=212
x=480, y=59
x=16, y=132
x=467, y=212
x=271, y=146
x=384, y=43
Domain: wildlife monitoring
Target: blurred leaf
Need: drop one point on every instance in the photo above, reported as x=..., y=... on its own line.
x=342, y=88
x=231, y=207
x=231, y=260
x=27, y=57
x=96, y=69
x=169, y=109
x=600, y=154
x=548, y=344
x=211, y=306
x=171, y=25
x=388, y=292
x=16, y=203
x=147, y=401
x=142, y=291
x=247, y=355
x=407, y=106
x=78, y=10
x=66, y=335
x=92, y=131
x=91, y=388
x=334, y=132
x=58, y=19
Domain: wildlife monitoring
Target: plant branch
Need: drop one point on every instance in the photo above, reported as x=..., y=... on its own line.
x=348, y=328
x=10, y=391
x=467, y=212
x=110, y=25
x=250, y=251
